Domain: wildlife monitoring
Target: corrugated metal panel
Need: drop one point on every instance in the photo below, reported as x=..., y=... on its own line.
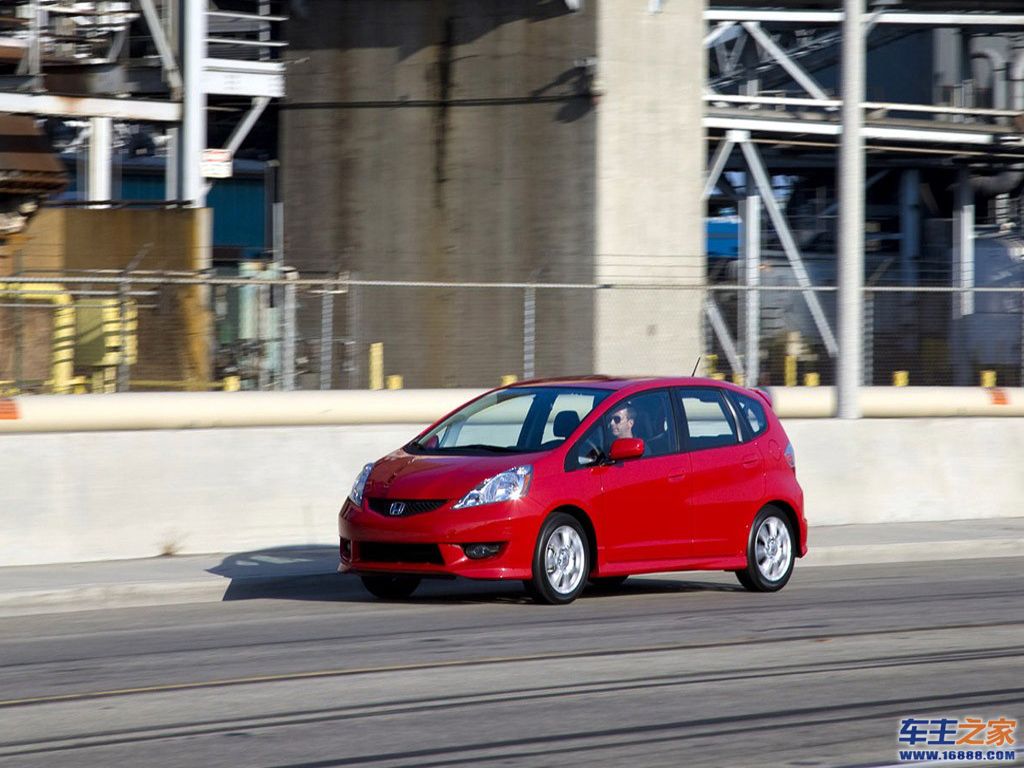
x=239, y=206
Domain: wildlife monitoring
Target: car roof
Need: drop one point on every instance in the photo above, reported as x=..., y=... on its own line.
x=627, y=382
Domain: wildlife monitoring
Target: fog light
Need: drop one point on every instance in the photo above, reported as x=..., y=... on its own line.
x=345, y=550
x=480, y=551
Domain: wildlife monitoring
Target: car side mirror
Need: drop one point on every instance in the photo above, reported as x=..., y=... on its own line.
x=626, y=448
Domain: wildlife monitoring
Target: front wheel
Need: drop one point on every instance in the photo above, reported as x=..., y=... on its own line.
x=390, y=586
x=769, y=553
x=561, y=561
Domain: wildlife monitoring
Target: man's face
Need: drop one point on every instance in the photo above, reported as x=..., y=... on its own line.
x=620, y=424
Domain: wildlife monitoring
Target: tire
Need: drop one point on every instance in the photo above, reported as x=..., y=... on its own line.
x=608, y=582
x=561, y=561
x=770, y=552
x=390, y=586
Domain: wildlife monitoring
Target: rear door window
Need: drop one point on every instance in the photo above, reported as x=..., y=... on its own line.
x=708, y=419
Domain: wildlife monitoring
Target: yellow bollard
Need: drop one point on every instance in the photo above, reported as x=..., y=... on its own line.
x=509, y=378
x=900, y=378
x=737, y=379
x=812, y=379
x=377, y=365
x=790, y=370
x=988, y=378
x=232, y=383
x=710, y=365
x=394, y=382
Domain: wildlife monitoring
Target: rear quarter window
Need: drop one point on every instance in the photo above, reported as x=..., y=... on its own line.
x=752, y=415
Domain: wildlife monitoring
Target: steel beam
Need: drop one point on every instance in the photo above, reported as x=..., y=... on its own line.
x=714, y=314
x=715, y=35
x=794, y=70
x=909, y=135
x=717, y=165
x=789, y=245
x=234, y=142
x=850, y=241
x=163, y=47
x=135, y=110
x=244, y=78
x=832, y=17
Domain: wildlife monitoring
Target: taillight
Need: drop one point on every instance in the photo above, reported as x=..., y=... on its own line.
x=790, y=455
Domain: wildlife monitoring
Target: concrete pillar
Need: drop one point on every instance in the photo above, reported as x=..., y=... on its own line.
x=650, y=168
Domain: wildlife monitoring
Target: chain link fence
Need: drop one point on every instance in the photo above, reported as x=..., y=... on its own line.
x=162, y=332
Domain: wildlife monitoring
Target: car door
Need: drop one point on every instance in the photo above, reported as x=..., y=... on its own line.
x=726, y=480
x=640, y=511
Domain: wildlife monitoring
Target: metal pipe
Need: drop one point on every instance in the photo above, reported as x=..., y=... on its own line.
x=99, y=176
x=1017, y=80
x=851, y=216
x=997, y=61
x=217, y=410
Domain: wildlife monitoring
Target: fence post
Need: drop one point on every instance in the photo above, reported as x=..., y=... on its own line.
x=529, y=332
x=353, y=363
x=123, y=372
x=326, y=337
x=869, y=338
x=288, y=333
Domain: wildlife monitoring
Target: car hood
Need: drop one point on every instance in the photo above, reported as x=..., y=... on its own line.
x=402, y=475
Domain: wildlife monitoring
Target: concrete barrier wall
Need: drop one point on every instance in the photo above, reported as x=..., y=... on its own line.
x=106, y=495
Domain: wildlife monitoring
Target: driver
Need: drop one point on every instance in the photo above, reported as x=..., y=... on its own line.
x=621, y=422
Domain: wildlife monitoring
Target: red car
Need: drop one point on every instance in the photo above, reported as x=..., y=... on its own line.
x=564, y=481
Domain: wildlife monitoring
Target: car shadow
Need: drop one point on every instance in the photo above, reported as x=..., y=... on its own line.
x=310, y=573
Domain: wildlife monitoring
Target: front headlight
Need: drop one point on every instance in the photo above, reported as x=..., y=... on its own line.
x=507, y=486
x=356, y=495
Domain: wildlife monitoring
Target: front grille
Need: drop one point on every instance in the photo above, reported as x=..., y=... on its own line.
x=412, y=506
x=384, y=552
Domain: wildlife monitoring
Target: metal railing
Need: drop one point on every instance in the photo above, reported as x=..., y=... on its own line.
x=146, y=331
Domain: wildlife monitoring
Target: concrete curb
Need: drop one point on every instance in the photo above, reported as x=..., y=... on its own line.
x=218, y=589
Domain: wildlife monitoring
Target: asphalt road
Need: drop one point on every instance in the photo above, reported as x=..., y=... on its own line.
x=687, y=671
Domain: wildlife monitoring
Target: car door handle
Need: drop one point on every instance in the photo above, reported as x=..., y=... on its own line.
x=677, y=478
x=751, y=460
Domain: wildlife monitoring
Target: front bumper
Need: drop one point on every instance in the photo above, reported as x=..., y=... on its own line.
x=431, y=543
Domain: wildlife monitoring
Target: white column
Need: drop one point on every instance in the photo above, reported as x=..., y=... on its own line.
x=751, y=255
x=193, y=132
x=851, y=216
x=98, y=169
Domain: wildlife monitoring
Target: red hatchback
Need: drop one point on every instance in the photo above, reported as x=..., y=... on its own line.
x=561, y=482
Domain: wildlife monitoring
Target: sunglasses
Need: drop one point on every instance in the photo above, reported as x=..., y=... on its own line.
x=616, y=419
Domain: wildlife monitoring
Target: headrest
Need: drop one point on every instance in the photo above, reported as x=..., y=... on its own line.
x=565, y=423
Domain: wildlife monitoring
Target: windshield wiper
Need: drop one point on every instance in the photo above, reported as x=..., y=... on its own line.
x=480, y=447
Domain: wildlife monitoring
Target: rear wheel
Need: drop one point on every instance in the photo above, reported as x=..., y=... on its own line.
x=769, y=552
x=561, y=561
x=390, y=586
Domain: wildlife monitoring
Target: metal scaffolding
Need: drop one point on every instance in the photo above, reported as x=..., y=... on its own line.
x=160, y=63
x=789, y=78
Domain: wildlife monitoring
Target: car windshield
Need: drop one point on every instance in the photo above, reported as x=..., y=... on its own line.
x=514, y=420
